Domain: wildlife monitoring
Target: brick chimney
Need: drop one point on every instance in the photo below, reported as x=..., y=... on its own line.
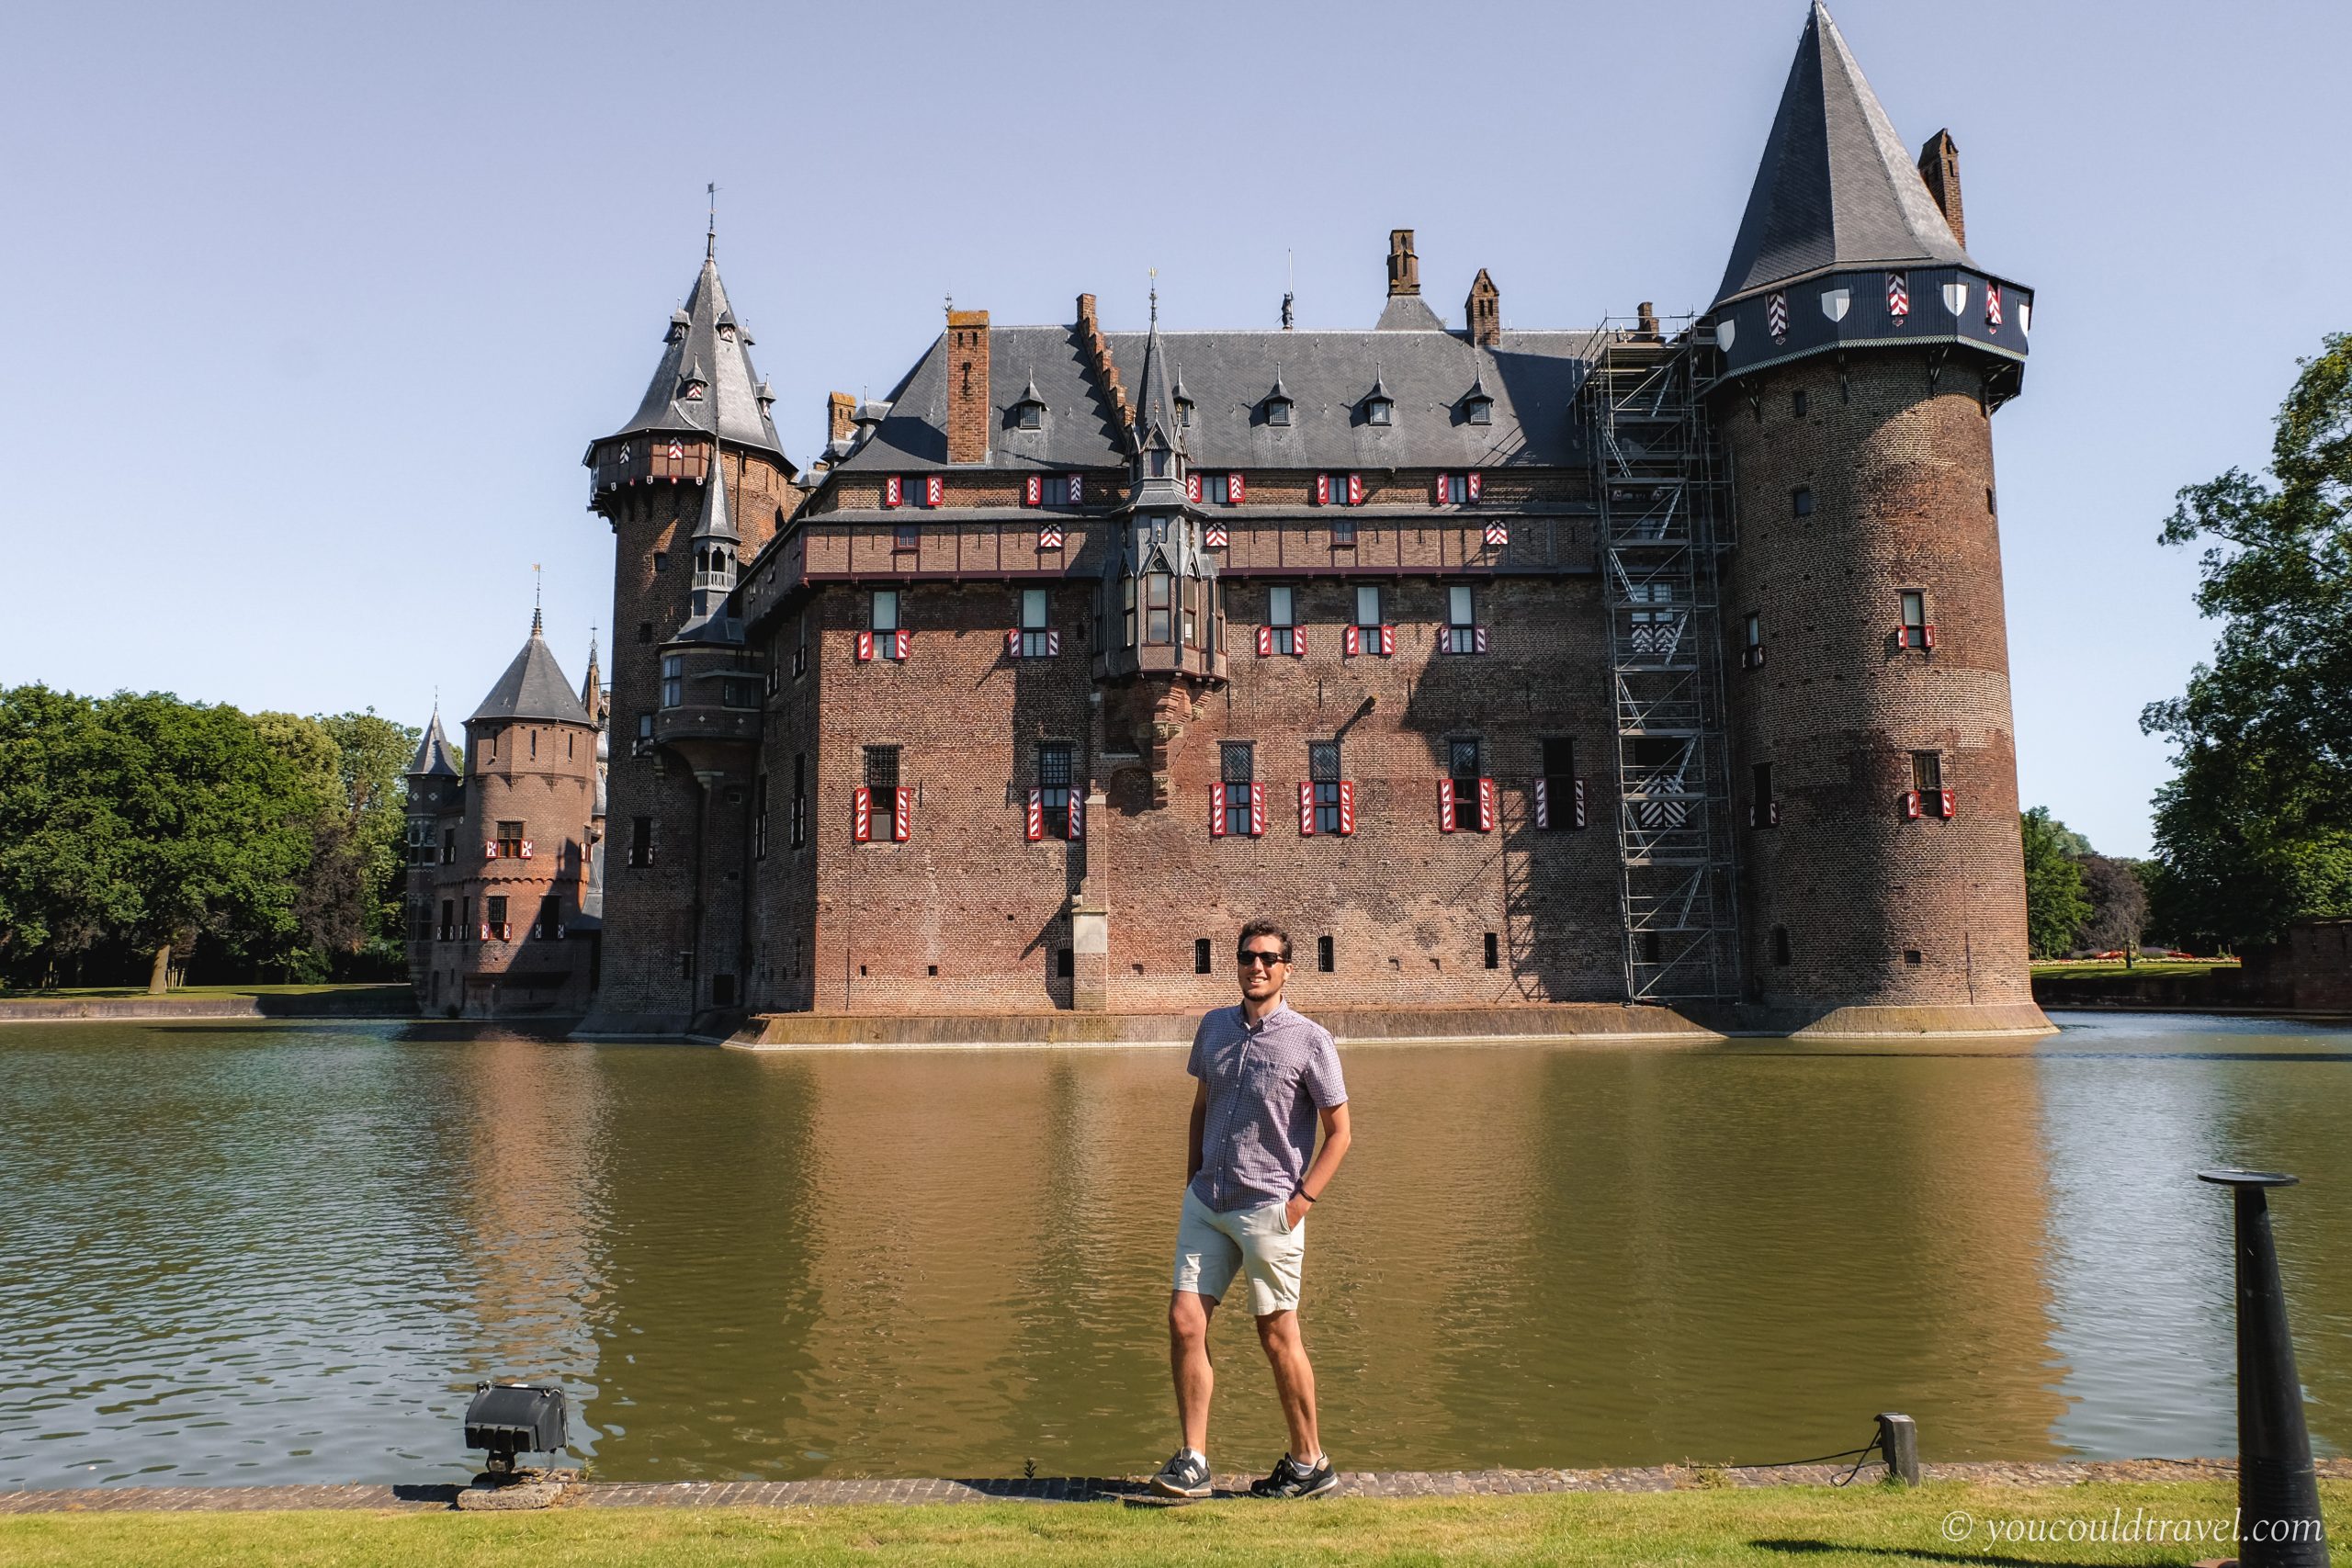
x=1404, y=267
x=1484, y=311
x=841, y=416
x=968, y=408
x=1645, y=322
x=1939, y=166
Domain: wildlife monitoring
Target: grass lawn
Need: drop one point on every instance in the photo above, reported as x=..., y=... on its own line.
x=111, y=993
x=2065, y=967
x=1942, y=1523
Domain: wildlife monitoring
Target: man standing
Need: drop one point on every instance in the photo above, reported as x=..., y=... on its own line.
x=1266, y=1075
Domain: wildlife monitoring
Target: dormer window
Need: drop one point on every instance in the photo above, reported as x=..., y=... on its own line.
x=1478, y=409
x=1379, y=408
x=1029, y=416
x=692, y=390
x=1185, y=412
x=726, y=332
x=1277, y=411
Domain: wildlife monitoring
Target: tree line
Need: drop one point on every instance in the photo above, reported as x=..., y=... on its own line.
x=146, y=838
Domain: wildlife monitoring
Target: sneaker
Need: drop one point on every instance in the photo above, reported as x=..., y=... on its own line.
x=1186, y=1474
x=1292, y=1479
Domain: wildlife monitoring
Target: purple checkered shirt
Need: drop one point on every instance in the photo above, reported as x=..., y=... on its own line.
x=1266, y=1082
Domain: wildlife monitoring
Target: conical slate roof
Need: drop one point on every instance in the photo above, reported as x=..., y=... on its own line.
x=1836, y=189
x=532, y=687
x=695, y=348
x=433, y=758
x=1154, y=394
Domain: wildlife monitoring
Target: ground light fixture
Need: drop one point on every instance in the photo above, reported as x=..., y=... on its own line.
x=510, y=1418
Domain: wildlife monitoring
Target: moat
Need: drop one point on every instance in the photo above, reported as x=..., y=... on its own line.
x=243, y=1253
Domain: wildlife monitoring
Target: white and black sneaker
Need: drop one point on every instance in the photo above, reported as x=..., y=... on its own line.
x=1292, y=1479
x=1186, y=1474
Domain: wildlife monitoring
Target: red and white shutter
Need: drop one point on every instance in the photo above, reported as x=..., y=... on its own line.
x=1578, y=821
x=1307, y=810
x=1052, y=642
x=1441, y=488
x=1257, y=810
x=935, y=491
x=1486, y=806
x=1298, y=641
x=1077, y=488
x=1350, y=641
x=1266, y=642
x=1012, y=643
x=1233, y=487
x=527, y=846
x=1946, y=803
x=1478, y=639
x=1216, y=536
x=1499, y=531
x=489, y=849
x=1077, y=815
x=1388, y=641
x=894, y=491
x=1322, y=489
x=1033, y=493
x=861, y=821
x=1049, y=536
x=901, y=640
x=1356, y=490
x=1036, y=826
x=1217, y=811
x=1542, y=802
x=1445, y=806
x=1347, y=808
x=865, y=645
x=902, y=814
x=1910, y=805
x=1472, y=484
x=1927, y=634
x=1193, y=489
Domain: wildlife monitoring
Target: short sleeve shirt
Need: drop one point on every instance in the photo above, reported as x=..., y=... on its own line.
x=1266, y=1082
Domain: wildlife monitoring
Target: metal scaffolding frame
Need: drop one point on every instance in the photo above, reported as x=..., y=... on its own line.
x=1663, y=491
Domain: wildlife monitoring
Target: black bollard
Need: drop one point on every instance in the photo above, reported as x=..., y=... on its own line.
x=1899, y=1444
x=2279, y=1518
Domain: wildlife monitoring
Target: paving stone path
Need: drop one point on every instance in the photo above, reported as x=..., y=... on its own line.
x=1070, y=1489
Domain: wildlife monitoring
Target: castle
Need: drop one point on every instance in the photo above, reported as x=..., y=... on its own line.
x=1656, y=663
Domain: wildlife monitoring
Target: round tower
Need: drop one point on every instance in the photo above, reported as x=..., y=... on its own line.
x=1863, y=352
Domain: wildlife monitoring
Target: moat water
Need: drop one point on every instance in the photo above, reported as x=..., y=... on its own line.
x=236, y=1253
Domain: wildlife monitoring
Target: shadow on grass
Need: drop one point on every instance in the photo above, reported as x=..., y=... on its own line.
x=1928, y=1554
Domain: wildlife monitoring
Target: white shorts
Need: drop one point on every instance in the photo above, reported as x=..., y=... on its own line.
x=1210, y=1245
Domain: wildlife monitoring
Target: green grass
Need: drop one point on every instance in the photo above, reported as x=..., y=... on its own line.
x=112, y=993
x=2070, y=967
x=1785, y=1526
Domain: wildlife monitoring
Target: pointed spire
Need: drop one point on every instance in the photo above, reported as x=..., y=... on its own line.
x=433, y=757
x=535, y=599
x=1835, y=188
x=1155, y=395
x=534, y=686
x=714, y=523
x=705, y=343
x=592, y=690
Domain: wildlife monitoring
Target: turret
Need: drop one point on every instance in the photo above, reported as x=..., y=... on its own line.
x=1162, y=582
x=1862, y=352
x=434, y=789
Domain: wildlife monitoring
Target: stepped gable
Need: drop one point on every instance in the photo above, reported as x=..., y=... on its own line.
x=705, y=340
x=1533, y=377
x=1835, y=188
x=533, y=687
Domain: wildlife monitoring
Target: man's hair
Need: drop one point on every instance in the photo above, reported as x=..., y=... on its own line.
x=1261, y=928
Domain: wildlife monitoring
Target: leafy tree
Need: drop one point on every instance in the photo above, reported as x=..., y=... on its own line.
x=2054, y=906
x=373, y=754
x=2119, y=904
x=2255, y=828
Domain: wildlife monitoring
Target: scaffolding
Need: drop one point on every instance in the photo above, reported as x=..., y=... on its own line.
x=1663, y=493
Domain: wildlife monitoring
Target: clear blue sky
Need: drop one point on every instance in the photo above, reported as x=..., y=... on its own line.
x=311, y=309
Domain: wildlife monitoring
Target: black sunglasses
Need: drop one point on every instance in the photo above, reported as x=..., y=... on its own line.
x=1252, y=957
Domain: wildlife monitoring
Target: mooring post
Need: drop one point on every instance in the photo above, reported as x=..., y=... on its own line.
x=1899, y=1444
x=2279, y=1518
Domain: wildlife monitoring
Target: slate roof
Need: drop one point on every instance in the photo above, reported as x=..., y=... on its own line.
x=532, y=687
x=692, y=343
x=1532, y=377
x=1836, y=189
x=433, y=756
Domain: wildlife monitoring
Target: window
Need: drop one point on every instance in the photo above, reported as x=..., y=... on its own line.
x=1559, y=785
x=1158, y=622
x=1323, y=957
x=1368, y=606
x=1216, y=489
x=1460, y=619
x=1193, y=588
x=881, y=768
x=1915, y=632
x=739, y=693
x=510, y=840
x=1034, y=641
x=1751, y=640
x=1201, y=955
x=544, y=927
x=1796, y=402
x=535, y=745
x=883, y=611
x=1780, y=945
x=645, y=631
x=1277, y=411
x=448, y=920
x=1339, y=489
x=1379, y=410
x=1992, y=507
x=1494, y=952
x=1343, y=535
x=1912, y=955
x=1053, y=786
x=640, y=840
x=800, y=645
x=1064, y=964
x=661, y=559
x=1282, y=614
x=1029, y=415
x=1928, y=772
x=1221, y=599
x=1657, y=630
x=1462, y=765
x=1455, y=488
x=493, y=914
x=799, y=799
x=1238, y=767
x=1478, y=409
x=1128, y=599
x=673, y=680
x=760, y=818
x=1800, y=501
x=1323, y=774
x=1763, y=811
x=449, y=846
x=907, y=536
x=914, y=489
x=644, y=735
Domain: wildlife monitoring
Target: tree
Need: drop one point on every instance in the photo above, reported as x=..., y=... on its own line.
x=2054, y=906
x=2119, y=905
x=373, y=756
x=2255, y=828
